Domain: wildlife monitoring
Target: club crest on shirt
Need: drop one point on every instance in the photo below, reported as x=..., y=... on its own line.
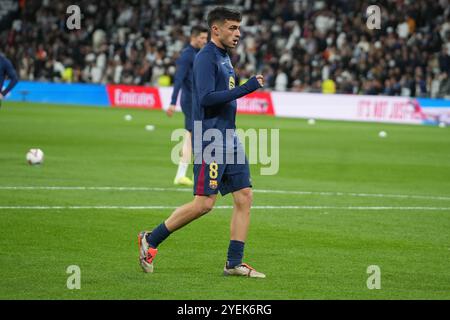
x=213, y=184
x=231, y=83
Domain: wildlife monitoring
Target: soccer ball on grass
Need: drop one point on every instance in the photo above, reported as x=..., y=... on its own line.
x=35, y=156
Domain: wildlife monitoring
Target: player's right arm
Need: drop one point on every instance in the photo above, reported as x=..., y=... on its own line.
x=205, y=71
x=182, y=69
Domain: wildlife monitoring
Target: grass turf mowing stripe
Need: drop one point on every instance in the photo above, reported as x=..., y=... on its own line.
x=223, y=207
x=158, y=189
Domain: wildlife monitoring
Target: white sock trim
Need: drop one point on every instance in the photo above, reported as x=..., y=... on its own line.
x=182, y=169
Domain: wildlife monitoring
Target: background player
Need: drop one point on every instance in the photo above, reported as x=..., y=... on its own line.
x=6, y=69
x=214, y=106
x=183, y=81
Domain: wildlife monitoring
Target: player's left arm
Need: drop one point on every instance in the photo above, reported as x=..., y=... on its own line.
x=12, y=75
x=204, y=73
x=219, y=97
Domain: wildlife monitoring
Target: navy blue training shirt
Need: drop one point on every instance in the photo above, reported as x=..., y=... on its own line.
x=183, y=78
x=6, y=68
x=214, y=92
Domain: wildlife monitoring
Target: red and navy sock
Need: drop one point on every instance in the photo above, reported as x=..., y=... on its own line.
x=158, y=235
x=235, y=253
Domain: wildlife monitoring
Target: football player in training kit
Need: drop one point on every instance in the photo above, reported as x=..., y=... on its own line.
x=214, y=107
x=183, y=81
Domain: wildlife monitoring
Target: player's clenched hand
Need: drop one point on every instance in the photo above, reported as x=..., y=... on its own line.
x=260, y=79
x=1, y=96
x=170, y=110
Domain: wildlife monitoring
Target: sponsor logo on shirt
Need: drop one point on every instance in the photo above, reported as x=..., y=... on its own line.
x=231, y=83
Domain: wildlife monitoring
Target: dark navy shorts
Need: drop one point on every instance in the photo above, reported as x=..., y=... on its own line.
x=209, y=178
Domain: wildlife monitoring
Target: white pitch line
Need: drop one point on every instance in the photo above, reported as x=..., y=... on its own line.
x=92, y=188
x=340, y=194
x=360, y=208
x=352, y=194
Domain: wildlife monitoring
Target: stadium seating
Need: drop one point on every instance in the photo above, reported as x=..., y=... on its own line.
x=296, y=44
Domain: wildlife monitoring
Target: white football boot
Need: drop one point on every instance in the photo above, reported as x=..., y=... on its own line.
x=244, y=270
x=146, y=253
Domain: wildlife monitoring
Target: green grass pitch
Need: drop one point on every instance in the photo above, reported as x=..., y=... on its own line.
x=356, y=200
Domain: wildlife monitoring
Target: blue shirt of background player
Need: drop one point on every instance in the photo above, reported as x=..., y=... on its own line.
x=183, y=81
x=7, y=69
x=214, y=93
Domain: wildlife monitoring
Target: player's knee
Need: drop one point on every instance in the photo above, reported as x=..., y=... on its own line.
x=205, y=206
x=245, y=198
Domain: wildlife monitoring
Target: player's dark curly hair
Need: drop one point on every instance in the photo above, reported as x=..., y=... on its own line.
x=220, y=14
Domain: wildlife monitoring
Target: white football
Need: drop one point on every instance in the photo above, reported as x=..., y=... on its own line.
x=35, y=156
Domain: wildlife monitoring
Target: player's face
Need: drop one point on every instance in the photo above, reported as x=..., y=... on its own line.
x=229, y=33
x=200, y=40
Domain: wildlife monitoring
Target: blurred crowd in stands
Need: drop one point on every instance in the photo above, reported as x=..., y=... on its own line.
x=299, y=45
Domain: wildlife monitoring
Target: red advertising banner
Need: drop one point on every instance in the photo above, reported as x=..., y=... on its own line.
x=256, y=103
x=122, y=96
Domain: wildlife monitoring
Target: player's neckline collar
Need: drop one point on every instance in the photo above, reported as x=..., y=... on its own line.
x=193, y=48
x=222, y=51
